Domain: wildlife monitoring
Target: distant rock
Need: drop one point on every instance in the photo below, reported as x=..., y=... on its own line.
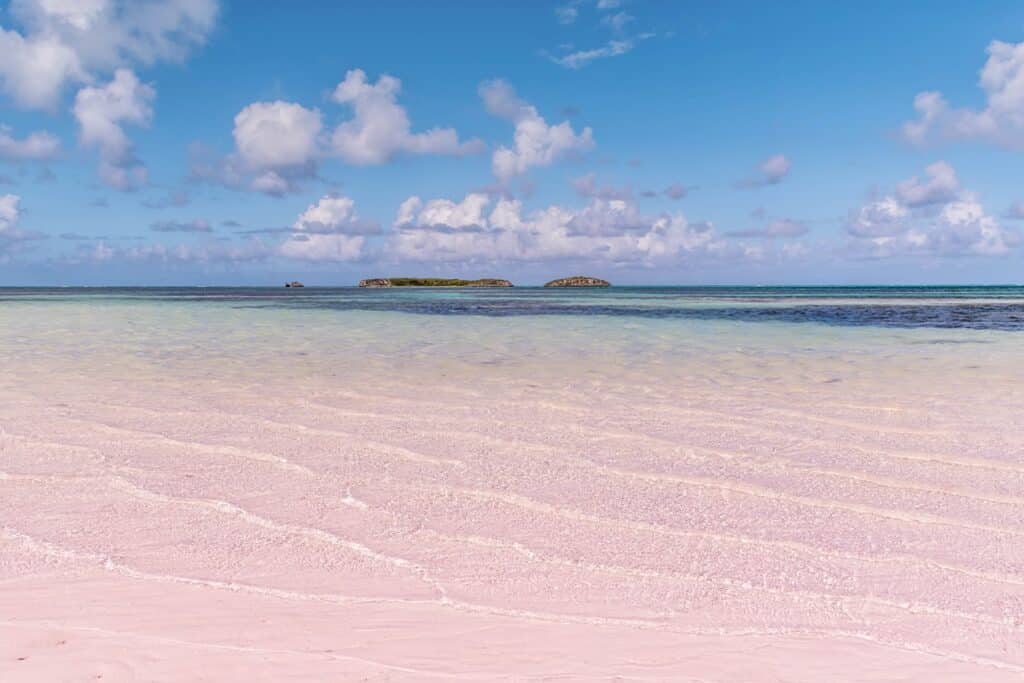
x=294, y=283
x=432, y=282
x=579, y=281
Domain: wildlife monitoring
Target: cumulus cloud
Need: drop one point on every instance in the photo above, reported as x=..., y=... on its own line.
x=1000, y=121
x=39, y=145
x=277, y=145
x=380, y=127
x=932, y=216
x=479, y=229
x=939, y=185
x=72, y=41
x=964, y=227
x=606, y=218
x=102, y=112
x=10, y=234
x=535, y=142
x=334, y=214
x=329, y=230
x=771, y=171
x=323, y=248
x=196, y=225
x=276, y=134
x=442, y=214
x=9, y=212
x=275, y=183
x=880, y=218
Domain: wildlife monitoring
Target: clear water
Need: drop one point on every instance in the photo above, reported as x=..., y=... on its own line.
x=977, y=308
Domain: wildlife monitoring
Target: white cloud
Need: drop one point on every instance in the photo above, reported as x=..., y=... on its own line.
x=775, y=168
x=617, y=22
x=380, y=127
x=329, y=212
x=64, y=41
x=878, y=218
x=932, y=217
x=277, y=145
x=964, y=227
x=35, y=146
x=323, y=248
x=102, y=112
x=1000, y=121
x=940, y=185
x=276, y=134
x=9, y=212
x=581, y=58
x=771, y=171
x=333, y=214
x=569, y=57
x=329, y=230
x=566, y=14
x=11, y=237
x=444, y=213
x=931, y=108
x=33, y=71
x=535, y=142
x=606, y=217
x=606, y=231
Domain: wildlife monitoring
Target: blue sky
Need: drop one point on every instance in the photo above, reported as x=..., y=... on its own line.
x=205, y=142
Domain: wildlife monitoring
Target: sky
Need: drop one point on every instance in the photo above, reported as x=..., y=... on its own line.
x=211, y=142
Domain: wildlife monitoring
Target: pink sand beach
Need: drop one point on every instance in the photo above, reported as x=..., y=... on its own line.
x=189, y=492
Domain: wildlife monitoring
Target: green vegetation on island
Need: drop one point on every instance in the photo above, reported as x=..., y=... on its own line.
x=579, y=281
x=432, y=282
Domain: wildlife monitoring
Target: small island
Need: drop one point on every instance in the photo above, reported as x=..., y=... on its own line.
x=432, y=282
x=579, y=281
x=294, y=283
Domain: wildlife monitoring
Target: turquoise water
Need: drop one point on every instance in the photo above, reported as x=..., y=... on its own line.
x=978, y=308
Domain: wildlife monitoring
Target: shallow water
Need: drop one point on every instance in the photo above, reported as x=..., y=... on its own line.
x=724, y=484
x=983, y=308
